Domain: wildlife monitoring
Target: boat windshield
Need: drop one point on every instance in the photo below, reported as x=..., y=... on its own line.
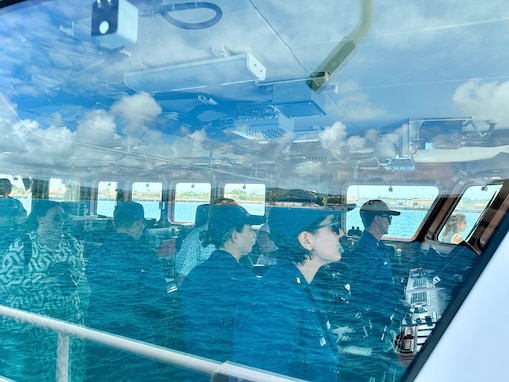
x=312, y=104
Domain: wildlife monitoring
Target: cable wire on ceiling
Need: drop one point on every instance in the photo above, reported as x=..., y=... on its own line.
x=166, y=10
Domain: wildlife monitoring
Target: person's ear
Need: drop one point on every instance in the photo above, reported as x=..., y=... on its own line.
x=234, y=236
x=306, y=240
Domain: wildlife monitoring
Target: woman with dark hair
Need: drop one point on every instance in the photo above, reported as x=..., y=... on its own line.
x=192, y=252
x=456, y=224
x=40, y=273
x=213, y=289
x=283, y=328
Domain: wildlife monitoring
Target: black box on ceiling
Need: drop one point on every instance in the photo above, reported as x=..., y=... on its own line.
x=297, y=99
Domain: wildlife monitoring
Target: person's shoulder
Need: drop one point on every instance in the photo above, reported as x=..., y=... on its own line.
x=457, y=238
x=217, y=263
x=72, y=239
x=198, y=273
x=366, y=240
x=122, y=241
x=17, y=243
x=108, y=242
x=96, y=255
x=192, y=241
x=12, y=206
x=194, y=234
x=115, y=243
x=216, y=269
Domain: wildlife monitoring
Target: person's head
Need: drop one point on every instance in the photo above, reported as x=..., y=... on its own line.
x=224, y=202
x=263, y=240
x=229, y=228
x=129, y=218
x=376, y=217
x=5, y=187
x=202, y=211
x=459, y=221
x=302, y=233
x=456, y=223
x=47, y=217
x=11, y=212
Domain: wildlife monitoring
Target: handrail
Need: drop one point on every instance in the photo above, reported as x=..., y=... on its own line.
x=143, y=349
x=341, y=51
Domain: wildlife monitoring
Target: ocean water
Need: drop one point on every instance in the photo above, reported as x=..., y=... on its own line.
x=184, y=211
x=403, y=226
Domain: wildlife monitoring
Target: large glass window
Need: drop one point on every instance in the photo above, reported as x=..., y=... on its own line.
x=57, y=189
x=106, y=198
x=149, y=195
x=249, y=196
x=460, y=224
x=67, y=191
x=188, y=196
x=179, y=102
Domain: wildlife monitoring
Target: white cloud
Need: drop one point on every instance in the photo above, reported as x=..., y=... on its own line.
x=97, y=127
x=334, y=140
x=356, y=143
x=484, y=100
x=138, y=108
x=28, y=141
x=405, y=25
x=7, y=112
x=333, y=137
x=357, y=103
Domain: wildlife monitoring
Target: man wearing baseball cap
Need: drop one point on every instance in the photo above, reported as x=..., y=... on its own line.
x=212, y=291
x=374, y=298
x=128, y=297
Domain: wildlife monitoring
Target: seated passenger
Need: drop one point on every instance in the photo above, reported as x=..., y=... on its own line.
x=12, y=216
x=456, y=224
x=7, y=202
x=283, y=327
x=212, y=291
x=265, y=247
x=42, y=272
x=128, y=297
x=192, y=252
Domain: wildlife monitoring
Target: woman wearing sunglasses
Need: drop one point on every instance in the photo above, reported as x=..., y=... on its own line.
x=284, y=327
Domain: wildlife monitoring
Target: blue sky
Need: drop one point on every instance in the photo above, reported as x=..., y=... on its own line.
x=418, y=59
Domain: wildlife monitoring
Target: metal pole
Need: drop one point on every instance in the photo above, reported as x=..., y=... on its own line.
x=338, y=55
x=143, y=349
x=62, y=357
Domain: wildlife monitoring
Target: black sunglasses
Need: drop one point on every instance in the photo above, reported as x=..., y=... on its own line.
x=334, y=226
x=389, y=217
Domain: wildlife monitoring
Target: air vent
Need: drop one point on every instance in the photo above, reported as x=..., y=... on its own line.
x=265, y=129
